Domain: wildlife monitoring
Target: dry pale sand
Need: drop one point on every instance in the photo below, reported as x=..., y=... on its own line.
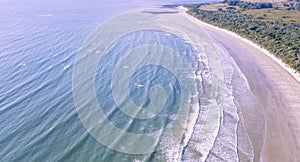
x=276, y=86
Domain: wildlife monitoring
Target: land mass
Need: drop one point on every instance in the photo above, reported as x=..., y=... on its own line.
x=276, y=86
x=276, y=29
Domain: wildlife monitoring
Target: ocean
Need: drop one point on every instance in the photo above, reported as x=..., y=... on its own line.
x=48, y=77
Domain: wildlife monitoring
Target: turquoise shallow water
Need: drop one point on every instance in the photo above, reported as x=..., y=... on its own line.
x=39, y=42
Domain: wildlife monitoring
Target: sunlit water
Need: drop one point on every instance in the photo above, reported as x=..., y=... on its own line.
x=39, y=42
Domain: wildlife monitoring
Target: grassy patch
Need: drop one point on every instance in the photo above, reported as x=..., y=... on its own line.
x=275, y=15
x=214, y=7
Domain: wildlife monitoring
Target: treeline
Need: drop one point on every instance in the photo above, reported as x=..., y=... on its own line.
x=292, y=6
x=280, y=38
x=248, y=5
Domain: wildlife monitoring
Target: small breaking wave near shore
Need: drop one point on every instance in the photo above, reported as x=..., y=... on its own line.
x=232, y=142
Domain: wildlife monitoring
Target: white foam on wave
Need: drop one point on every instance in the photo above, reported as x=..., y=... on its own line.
x=226, y=144
x=191, y=123
x=46, y=15
x=66, y=67
x=139, y=85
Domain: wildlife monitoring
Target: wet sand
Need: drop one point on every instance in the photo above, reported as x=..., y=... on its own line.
x=274, y=86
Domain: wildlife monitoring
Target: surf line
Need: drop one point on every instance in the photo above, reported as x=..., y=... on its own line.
x=199, y=84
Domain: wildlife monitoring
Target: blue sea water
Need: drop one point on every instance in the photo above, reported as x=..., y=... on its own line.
x=39, y=42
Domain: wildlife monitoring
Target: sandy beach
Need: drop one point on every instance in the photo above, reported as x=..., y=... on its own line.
x=274, y=84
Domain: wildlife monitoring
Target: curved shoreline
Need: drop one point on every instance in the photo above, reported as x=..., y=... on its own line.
x=276, y=85
x=286, y=67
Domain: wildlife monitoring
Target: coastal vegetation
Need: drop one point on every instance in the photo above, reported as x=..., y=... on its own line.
x=248, y=5
x=276, y=29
